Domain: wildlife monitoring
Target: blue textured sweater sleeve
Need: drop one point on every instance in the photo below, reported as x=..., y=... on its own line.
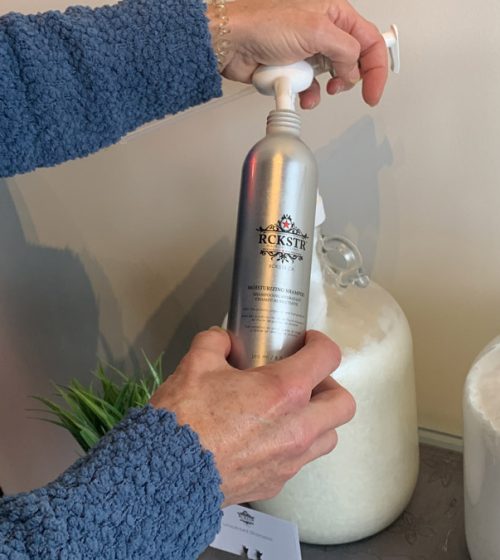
x=72, y=83
x=146, y=491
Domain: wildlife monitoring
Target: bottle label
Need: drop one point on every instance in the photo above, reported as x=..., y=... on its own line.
x=283, y=242
x=269, y=306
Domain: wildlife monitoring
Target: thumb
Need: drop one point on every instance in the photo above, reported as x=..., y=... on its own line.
x=209, y=350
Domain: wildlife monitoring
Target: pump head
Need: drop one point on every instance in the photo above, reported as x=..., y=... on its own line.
x=285, y=82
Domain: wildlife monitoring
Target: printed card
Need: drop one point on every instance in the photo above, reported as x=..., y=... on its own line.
x=257, y=536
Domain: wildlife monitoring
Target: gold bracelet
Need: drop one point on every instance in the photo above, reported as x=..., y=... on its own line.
x=221, y=41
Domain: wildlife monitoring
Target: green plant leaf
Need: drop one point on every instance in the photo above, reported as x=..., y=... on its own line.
x=89, y=412
x=155, y=370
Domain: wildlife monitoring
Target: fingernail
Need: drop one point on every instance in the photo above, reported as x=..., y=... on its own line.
x=217, y=328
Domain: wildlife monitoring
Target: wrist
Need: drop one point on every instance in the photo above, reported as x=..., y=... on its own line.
x=219, y=25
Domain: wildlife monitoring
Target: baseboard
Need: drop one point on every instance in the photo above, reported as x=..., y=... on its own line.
x=440, y=439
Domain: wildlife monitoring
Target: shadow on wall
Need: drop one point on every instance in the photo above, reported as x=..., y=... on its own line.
x=48, y=331
x=348, y=182
x=112, y=342
x=197, y=303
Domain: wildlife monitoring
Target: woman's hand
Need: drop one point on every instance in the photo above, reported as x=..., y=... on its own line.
x=285, y=31
x=262, y=425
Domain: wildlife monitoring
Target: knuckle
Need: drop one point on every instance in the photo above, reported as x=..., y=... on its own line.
x=349, y=406
x=332, y=442
x=374, y=31
x=296, y=394
x=278, y=390
x=275, y=391
x=334, y=354
x=285, y=393
x=299, y=440
x=345, y=407
x=353, y=406
x=275, y=489
x=289, y=471
x=327, y=444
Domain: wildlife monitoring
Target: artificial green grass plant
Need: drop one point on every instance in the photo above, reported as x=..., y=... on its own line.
x=89, y=412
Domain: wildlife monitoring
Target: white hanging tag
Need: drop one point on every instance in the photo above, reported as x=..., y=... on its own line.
x=257, y=536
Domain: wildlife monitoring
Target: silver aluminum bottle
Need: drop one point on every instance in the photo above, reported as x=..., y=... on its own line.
x=274, y=245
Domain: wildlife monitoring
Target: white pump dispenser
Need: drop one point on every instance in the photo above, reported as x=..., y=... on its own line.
x=285, y=82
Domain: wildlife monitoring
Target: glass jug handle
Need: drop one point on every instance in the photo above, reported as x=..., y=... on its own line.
x=344, y=262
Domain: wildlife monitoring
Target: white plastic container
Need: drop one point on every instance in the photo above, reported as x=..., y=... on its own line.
x=482, y=454
x=366, y=482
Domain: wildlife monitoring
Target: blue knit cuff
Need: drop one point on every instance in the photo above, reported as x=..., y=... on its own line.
x=146, y=490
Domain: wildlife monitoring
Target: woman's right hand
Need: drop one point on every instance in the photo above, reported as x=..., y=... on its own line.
x=264, y=424
x=286, y=31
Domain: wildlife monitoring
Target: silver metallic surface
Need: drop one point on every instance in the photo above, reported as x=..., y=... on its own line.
x=274, y=244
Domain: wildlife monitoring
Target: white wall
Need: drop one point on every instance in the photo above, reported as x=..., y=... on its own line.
x=131, y=248
x=438, y=239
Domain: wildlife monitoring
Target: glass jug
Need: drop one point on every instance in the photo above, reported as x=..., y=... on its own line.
x=365, y=483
